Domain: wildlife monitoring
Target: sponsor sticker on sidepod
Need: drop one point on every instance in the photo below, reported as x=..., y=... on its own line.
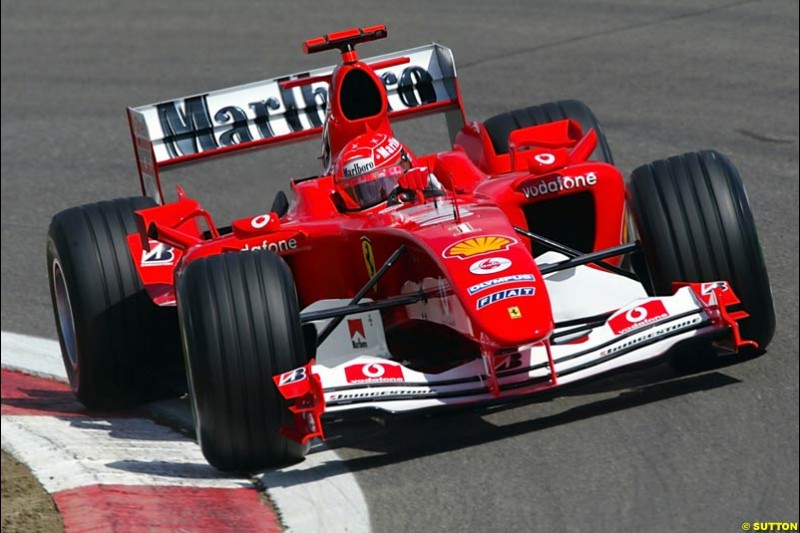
x=492, y=265
x=478, y=287
x=552, y=185
x=373, y=372
x=504, y=295
x=638, y=317
x=159, y=255
x=478, y=246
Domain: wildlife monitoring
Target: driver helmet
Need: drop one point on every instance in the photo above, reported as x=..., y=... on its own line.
x=368, y=169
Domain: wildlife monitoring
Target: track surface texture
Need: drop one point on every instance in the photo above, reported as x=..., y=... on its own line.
x=649, y=451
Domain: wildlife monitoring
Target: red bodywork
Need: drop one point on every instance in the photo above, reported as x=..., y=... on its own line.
x=479, y=297
x=332, y=254
x=325, y=248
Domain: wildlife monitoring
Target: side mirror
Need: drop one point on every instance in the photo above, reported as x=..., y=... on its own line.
x=280, y=205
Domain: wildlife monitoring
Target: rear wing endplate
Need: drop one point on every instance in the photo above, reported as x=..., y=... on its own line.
x=282, y=110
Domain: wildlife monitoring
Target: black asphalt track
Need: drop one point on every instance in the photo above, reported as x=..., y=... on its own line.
x=650, y=451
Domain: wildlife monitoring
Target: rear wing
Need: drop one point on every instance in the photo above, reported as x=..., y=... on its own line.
x=282, y=110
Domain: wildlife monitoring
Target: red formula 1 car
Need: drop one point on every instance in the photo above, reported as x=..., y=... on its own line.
x=395, y=281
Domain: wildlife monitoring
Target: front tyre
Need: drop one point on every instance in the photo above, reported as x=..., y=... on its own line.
x=694, y=222
x=240, y=325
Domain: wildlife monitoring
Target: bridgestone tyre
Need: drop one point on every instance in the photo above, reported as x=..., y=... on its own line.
x=694, y=222
x=119, y=348
x=499, y=127
x=240, y=326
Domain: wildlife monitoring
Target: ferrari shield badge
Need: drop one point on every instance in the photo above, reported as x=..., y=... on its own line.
x=369, y=256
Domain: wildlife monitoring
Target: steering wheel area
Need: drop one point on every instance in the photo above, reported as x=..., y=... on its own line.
x=401, y=195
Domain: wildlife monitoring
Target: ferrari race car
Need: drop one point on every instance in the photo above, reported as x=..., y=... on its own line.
x=515, y=263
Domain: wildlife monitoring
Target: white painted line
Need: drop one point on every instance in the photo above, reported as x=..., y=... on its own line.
x=319, y=494
x=71, y=452
x=32, y=355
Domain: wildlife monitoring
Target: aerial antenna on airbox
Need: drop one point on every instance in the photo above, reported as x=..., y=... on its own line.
x=345, y=41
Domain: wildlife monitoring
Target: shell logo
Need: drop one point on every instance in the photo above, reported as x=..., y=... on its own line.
x=478, y=245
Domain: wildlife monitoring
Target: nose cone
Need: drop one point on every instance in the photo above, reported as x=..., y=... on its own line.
x=504, y=294
x=490, y=270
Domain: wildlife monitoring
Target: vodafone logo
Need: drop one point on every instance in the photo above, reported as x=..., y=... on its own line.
x=637, y=317
x=637, y=314
x=545, y=158
x=554, y=185
x=492, y=265
x=261, y=221
x=373, y=372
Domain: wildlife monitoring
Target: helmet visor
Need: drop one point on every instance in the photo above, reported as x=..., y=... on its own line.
x=372, y=188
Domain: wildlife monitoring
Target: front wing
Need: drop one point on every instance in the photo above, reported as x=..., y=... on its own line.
x=641, y=331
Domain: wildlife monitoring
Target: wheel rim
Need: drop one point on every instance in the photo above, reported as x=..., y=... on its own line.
x=66, y=324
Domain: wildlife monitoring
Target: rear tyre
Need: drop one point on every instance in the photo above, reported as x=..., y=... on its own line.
x=240, y=325
x=119, y=348
x=499, y=127
x=694, y=221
